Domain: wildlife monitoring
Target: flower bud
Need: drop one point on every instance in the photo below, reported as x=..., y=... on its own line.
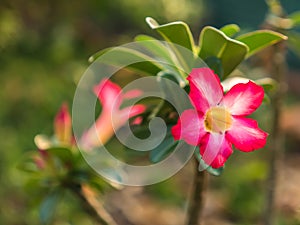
x=63, y=125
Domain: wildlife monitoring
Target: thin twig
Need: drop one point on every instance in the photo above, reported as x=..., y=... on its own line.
x=91, y=205
x=197, y=199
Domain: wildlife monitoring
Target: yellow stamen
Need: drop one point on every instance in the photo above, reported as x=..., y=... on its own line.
x=217, y=119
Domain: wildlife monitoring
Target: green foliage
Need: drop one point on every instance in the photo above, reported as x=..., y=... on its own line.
x=163, y=149
x=178, y=33
x=258, y=40
x=294, y=42
x=230, y=30
x=269, y=84
x=164, y=55
x=244, y=193
x=204, y=166
x=48, y=206
x=124, y=56
x=216, y=65
x=295, y=18
x=214, y=43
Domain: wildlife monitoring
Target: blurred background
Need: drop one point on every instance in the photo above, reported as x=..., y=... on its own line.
x=44, y=50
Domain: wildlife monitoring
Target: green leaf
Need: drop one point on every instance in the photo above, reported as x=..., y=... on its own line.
x=48, y=207
x=176, y=32
x=162, y=53
x=230, y=30
x=269, y=84
x=28, y=164
x=155, y=47
x=295, y=18
x=267, y=99
x=204, y=166
x=214, y=43
x=294, y=42
x=216, y=65
x=162, y=150
x=120, y=56
x=258, y=40
x=64, y=154
x=179, y=34
x=179, y=99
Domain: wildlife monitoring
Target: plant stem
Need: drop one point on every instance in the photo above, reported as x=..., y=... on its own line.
x=91, y=205
x=197, y=199
x=276, y=142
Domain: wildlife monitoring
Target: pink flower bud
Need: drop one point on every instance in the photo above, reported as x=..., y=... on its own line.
x=63, y=125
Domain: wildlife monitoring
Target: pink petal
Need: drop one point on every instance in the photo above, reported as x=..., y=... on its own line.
x=99, y=133
x=63, y=124
x=189, y=127
x=246, y=135
x=215, y=149
x=205, y=88
x=137, y=121
x=125, y=114
x=108, y=92
x=132, y=94
x=243, y=99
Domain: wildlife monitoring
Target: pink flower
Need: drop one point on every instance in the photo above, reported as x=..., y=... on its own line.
x=41, y=159
x=219, y=120
x=112, y=117
x=63, y=125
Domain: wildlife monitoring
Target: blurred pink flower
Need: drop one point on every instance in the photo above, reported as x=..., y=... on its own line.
x=63, y=125
x=112, y=117
x=40, y=159
x=218, y=120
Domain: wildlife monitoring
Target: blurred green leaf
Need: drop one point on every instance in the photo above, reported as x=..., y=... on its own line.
x=230, y=30
x=28, y=164
x=48, y=206
x=266, y=99
x=120, y=56
x=294, y=42
x=162, y=150
x=62, y=153
x=295, y=18
x=258, y=40
x=214, y=43
x=268, y=84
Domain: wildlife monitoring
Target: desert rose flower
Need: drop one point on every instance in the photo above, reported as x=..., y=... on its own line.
x=219, y=120
x=112, y=117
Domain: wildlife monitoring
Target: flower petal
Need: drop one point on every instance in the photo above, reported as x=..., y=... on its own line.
x=108, y=92
x=63, y=124
x=243, y=99
x=246, y=135
x=206, y=89
x=132, y=94
x=125, y=114
x=189, y=127
x=215, y=149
